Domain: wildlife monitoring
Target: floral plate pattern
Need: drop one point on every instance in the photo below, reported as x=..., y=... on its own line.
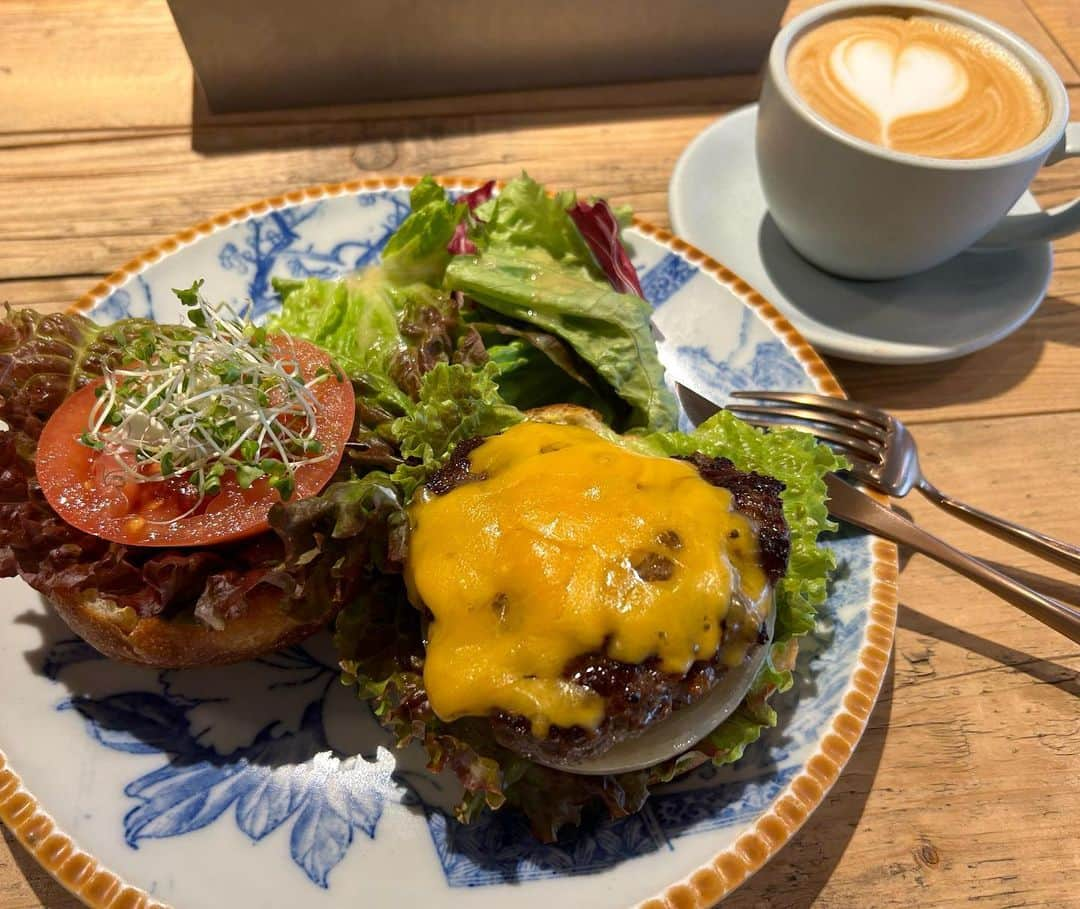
x=268, y=784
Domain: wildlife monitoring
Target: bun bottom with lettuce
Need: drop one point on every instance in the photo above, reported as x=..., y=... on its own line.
x=161, y=605
x=166, y=643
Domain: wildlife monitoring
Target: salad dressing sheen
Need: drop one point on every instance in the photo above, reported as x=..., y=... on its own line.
x=572, y=544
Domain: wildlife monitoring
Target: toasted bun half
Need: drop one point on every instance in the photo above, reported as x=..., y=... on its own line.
x=571, y=415
x=182, y=642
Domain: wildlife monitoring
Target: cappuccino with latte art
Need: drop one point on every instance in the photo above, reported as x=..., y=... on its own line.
x=918, y=84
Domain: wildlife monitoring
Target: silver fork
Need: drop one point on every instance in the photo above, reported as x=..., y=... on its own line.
x=884, y=456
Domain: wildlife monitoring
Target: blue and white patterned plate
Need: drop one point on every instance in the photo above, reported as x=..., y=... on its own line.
x=267, y=784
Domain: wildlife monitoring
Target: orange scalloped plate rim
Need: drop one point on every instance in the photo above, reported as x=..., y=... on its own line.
x=100, y=888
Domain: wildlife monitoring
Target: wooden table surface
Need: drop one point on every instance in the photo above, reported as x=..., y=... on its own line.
x=966, y=787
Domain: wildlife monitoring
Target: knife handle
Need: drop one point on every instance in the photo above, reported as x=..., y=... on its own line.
x=1059, y=552
x=856, y=507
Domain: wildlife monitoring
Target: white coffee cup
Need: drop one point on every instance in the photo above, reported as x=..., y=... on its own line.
x=865, y=211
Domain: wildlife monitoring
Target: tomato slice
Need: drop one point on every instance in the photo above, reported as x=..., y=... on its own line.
x=81, y=484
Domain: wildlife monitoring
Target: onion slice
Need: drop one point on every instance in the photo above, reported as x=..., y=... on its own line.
x=684, y=727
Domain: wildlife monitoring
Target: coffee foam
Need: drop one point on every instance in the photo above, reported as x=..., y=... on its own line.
x=921, y=85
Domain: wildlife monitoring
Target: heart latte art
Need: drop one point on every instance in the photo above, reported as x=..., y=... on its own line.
x=919, y=85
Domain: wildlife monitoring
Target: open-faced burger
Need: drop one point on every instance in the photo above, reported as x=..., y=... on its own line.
x=578, y=591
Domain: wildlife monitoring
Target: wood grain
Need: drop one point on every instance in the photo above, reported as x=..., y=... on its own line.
x=91, y=66
x=24, y=884
x=50, y=295
x=82, y=89
x=1061, y=20
x=965, y=789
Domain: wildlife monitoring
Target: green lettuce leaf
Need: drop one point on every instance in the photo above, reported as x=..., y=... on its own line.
x=525, y=218
x=608, y=330
x=537, y=368
x=417, y=252
x=534, y=266
x=355, y=319
x=455, y=403
x=529, y=378
x=552, y=348
x=800, y=463
x=384, y=335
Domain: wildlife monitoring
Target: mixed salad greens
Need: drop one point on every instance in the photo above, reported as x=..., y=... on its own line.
x=482, y=306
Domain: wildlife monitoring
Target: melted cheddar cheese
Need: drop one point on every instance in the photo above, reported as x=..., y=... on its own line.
x=568, y=544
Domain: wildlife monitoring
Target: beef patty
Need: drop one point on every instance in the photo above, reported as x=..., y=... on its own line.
x=636, y=695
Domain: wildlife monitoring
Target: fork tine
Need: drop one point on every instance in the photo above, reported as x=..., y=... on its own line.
x=819, y=402
x=857, y=447
x=858, y=427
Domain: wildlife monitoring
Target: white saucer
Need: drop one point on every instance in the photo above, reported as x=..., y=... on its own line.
x=968, y=303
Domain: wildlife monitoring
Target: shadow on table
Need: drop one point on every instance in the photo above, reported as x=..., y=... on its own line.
x=795, y=877
x=376, y=126
x=980, y=376
x=45, y=888
x=1068, y=591
x=1042, y=670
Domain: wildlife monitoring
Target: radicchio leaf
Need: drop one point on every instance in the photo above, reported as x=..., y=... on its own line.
x=460, y=242
x=600, y=228
x=477, y=197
